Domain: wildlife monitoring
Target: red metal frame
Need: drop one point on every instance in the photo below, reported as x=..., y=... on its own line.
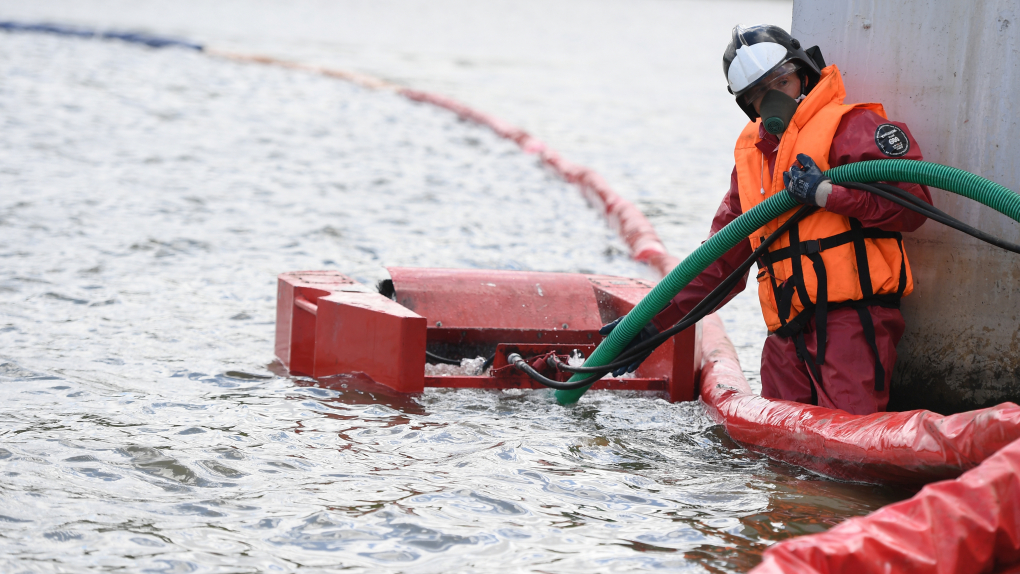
x=328, y=324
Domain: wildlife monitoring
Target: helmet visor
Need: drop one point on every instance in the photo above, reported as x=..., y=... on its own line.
x=769, y=82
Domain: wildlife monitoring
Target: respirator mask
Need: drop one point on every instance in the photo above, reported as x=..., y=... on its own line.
x=776, y=108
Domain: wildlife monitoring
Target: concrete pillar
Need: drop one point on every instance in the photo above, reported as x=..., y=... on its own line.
x=950, y=69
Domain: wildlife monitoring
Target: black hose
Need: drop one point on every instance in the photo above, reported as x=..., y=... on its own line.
x=718, y=295
x=555, y=362
x=909, y=201
x=440, y=359
x=517, y=361
x=899, y=196
x=713, y=299
x=488, y=362
x=703, y=308
x=905, y=195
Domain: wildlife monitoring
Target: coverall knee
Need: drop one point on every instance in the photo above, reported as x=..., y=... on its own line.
x=848, y=375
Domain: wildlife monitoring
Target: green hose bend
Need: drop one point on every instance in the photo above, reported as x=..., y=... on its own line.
x=951, y=179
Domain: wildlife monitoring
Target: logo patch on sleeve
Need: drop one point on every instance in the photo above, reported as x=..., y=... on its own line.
x=891, y=140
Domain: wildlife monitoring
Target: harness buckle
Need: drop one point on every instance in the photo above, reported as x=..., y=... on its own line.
x=811, y=246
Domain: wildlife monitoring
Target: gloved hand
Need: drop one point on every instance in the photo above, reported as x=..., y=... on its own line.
x=644, y=334
x=807, y=184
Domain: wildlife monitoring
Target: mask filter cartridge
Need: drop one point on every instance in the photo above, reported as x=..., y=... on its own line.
x=777, y=110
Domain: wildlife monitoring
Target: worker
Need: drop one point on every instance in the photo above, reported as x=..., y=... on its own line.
x=830, y=287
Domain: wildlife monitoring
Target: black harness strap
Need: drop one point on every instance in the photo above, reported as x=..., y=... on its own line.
x=869, y=335
x=867, y=292
x=796, y=282
x=819, y=309
x=821, y=299
x=823, y=244
x=816, y=374
x=830, y=242
x=861, y=252
x=784, y=301
x=903, y=268
x=797, y=277
x=783, y=298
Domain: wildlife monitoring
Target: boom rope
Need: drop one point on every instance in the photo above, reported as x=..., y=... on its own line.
x=628, y=221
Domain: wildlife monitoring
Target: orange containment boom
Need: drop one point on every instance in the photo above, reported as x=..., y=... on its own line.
x=328, y=324
x=911, y=448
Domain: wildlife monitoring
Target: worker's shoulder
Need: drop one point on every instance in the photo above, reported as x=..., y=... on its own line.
x=864, y=116
x=863, y=130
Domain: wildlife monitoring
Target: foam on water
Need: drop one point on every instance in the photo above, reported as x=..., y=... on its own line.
x=467, y=367
x=149, y=200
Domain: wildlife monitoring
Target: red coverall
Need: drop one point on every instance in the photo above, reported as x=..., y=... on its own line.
x=848, y=375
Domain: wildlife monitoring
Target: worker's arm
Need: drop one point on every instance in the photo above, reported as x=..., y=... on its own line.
x=719, y=270
x=861, y=135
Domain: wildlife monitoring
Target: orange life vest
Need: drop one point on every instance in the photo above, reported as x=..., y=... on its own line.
x=857, y=266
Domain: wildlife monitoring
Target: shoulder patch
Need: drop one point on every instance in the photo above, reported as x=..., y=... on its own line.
x=891, y=140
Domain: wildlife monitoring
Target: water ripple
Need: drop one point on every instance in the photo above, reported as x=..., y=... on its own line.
x=150, y=199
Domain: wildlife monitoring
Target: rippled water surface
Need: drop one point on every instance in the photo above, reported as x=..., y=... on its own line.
x=149, y=198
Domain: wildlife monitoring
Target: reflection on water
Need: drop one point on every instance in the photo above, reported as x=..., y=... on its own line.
x=149, y=200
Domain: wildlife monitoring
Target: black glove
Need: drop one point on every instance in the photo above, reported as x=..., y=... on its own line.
x=644, y=334
x=802, y=183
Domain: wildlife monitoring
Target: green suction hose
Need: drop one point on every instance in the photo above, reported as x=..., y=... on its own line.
x=944, y=177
